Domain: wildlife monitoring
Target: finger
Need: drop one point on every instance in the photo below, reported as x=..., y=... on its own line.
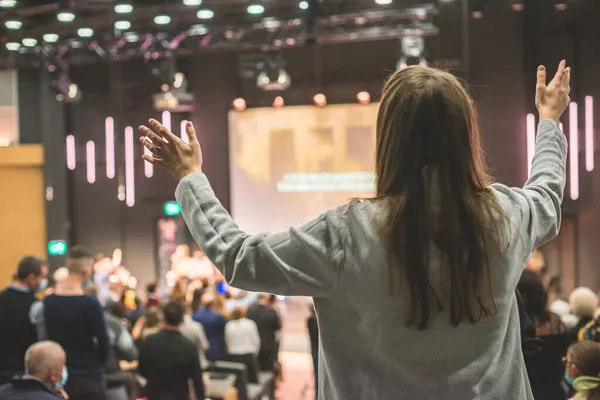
x=560, y=73
x=151, y=135
x=190, y=132
x=164, y=132
x=148, y=144
x=153, y=160
x=541, y=76
x=567, y=79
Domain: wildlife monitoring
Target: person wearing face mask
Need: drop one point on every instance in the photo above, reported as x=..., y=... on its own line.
x=17, y=332
x=45, y=375
x=582, y=370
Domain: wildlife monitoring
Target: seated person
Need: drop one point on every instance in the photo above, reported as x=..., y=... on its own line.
x=45, y=375
x=582, y=372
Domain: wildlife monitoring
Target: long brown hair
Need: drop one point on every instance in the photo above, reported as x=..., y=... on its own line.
x=586, y=357
x=429, y=149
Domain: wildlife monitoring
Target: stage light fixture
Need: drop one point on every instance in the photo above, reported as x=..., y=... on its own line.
x=13, y=25
x=192, y=2
x=278, y=102
x=129, y=167
x=589, y=133
x=90, y=161
x=122, y=25
x=85, y=32
x=123, y=8
x=239, y=104
x=162, y=19
x=70, y=145
x=13, y=46
x=303, y=5
x=50, y=37
x=29, y=42
x=320, y=100
x=8, y=3
x=363, y=97
x=109, y=134
x=383, y=2
x=148, y=168
x=573, y=151
x=255, y=9
x=65, y=16
x=205, y=14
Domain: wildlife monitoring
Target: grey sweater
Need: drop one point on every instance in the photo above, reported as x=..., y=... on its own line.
x=366, y=349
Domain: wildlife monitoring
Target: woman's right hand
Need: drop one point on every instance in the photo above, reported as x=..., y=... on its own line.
x=553, y=99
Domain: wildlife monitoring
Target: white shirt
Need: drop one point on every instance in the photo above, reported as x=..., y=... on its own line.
x=241, y=337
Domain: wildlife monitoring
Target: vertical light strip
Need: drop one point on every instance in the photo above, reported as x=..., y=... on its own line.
x=589, y=133
x=148, y=168
x=166, y=119
x=573, y=151
x=183, y=135
x=530, y=142
x=109, y=130
x=90, y=159
x=71, y=161
x=129, y=165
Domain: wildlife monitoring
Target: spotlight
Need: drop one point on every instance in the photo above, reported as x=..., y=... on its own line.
x=303, y=5
x=192, y=2
x=363, y=97
x=85, y=32
x=517, y=5
x=383, y=2
x=123, y=8
x=162, y=19
x=122, y=25
x=560, y=5
x=13, y=46
x=255, y=9
x=320, y=100
x=239, y=104
x=13, y=25
x=7, y=3
x=65, y=16
x=50, y=37
x=476, y=14
x=205, y=14
x=29, y=42
x=278, y=102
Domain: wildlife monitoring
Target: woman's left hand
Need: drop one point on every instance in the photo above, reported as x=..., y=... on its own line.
x=170, y=152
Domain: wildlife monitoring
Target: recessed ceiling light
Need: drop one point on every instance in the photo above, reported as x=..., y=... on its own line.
x=383, y=2
x=205, y=14
x=122, y=25
x=255, y=9
x=7, y=3
x=303, y=5
x=13, y=46
x=131, y=37
x=29, y=42
x=50, y=37
x=85, y=32
x=162, y=19
x=197, y=30
x=13, y=24
x=66, y=16
x=123, y=8
x=192, y=2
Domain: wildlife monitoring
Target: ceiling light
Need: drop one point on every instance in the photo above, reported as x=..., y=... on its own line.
x=303, y=5
x=560, y=5
x=192, y=2
x=13, y=24
x=123, y=8
x=205, y=14
x=66, y=16
x=13, y=46
x=255, y=9
x=7, y=3
x=517, y=5
x=162, y=19
x=198, y=29
x=383, y=2
x=85, y=32
x=29, y=42
x=122, y=25
x=50, y=37
x=131, y=37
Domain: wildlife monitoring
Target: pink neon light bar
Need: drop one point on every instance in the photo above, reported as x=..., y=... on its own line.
x=530, y=142
x=129, y=168
x=573, y=151
x=71, y=161
x=182, y=133
x=589, y=133
x=166, y=119
x=109, y=130
x=90, y=151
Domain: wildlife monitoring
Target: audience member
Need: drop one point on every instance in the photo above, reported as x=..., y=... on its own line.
x=196, y=302
x=148, y=324
x=243, y=342
x=17, y=332
x=269, y=324
x=582, y=370
x=194, y=331
x=214, y=326
x=592, y=330
x=152, y=298
x=76, y=321
x=45, y=375
x=168, y=360
x=313, y=333
x=535, y=299
x=583, y=304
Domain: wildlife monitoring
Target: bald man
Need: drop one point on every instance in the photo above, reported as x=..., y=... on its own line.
x=45, y=375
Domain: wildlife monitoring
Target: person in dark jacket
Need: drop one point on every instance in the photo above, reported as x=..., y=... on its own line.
x=214, y=327
x=269, y=324
x=45, y=375
x=17, y=332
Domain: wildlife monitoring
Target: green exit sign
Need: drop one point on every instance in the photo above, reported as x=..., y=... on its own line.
x=172, y=209
x=57, y=248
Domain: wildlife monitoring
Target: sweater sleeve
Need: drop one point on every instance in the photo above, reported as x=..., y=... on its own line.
x=536, y=208
x=304, y=261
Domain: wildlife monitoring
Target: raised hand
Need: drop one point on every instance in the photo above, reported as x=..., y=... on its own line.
x=553, y=99
x=170, y=152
